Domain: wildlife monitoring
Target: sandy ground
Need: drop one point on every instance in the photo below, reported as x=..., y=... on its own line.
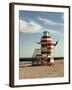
x=42, y=71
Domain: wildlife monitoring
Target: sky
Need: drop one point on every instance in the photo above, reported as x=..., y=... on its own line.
x=31, y=27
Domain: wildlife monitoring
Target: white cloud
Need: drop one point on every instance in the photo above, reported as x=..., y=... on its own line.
x=33, y=27
x=50, y=22
x=29, y=27
x=46, y=21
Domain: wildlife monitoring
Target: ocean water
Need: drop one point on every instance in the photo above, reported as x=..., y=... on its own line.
x=25, y=62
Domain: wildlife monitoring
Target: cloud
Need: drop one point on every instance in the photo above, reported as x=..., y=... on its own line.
x=30, y=27
x=50, y=22
x=34, y=27
x=46, y=21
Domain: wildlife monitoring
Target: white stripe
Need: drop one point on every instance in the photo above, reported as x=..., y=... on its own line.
x=46, y=39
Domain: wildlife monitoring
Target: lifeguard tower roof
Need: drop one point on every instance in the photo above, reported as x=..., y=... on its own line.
x=45, y=33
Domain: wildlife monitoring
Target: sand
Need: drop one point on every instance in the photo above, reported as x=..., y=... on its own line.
x=28, y=72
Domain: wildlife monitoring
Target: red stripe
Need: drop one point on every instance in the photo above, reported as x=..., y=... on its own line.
x=46, y=40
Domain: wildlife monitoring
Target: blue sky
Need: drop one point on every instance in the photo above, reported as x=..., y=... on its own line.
x=33, y=23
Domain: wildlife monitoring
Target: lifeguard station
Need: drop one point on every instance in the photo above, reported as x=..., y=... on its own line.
x=44, y=55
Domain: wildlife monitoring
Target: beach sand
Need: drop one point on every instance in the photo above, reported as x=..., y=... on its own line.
x=28, y=72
